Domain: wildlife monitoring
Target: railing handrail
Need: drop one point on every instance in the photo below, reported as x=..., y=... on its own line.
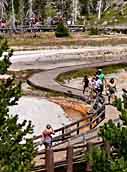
x=90, y=115
x=92, y=121
x=63, y=149
x=74, y=157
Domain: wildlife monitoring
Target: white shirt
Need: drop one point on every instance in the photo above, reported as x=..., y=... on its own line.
x=92, y=84
x=98, y=84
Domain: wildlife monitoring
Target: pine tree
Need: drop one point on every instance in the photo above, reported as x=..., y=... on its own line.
x=61, y=30
x=16, y=146
x=115, y=159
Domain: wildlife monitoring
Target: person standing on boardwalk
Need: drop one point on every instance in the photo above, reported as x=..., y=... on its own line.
x=47, y=136
x=101, y=77
x=111, y=90
x=92, y=85
x=85, y=83
x=98, y=86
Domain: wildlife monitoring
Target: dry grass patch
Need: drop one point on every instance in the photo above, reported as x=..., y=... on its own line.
x=76, y=39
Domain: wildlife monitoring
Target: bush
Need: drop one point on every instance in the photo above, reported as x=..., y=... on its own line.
x=5, y=54
x=61, y=30
x=94, y=31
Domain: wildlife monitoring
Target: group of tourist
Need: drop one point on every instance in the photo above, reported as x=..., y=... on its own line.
x=95, y=86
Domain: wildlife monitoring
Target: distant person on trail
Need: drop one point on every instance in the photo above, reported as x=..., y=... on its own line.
x=85, y=83
x=98, y=85
x=101, y=77
x=47, y=136
x=111, y=87
x=92, y=84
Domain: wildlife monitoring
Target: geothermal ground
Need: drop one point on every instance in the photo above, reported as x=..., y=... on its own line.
x=42, y=111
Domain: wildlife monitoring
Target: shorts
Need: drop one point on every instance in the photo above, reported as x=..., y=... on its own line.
x=47, y=142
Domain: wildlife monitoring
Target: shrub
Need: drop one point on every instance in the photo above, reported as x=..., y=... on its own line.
x=94, y=31
x=5, y=54
x=61, y=30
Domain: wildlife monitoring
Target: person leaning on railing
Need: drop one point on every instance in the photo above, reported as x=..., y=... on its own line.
x=47, y=136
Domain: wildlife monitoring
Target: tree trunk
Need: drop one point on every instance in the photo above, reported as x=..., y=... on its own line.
x=21, y=12
x=99, y=10
x=75, y=11
x=13, y=15
x=30, y=11
x=2, y=12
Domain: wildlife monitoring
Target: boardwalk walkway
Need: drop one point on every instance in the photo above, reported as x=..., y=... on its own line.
x=47, y=79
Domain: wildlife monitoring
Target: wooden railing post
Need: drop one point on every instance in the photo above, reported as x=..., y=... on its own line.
x=91, y=122
x=88, y=163
x=78, y=129
x=69, y=157
x=49, y=160
x=103, y=116
x=62, y=133
x=107, y=148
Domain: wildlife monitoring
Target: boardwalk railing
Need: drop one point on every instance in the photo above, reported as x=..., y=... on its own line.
x=79, y=126
x=73, y=28
x=72, y=154
x=41, y=28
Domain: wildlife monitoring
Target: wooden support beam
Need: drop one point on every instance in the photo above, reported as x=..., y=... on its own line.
x=78, y=127
x=91, y=126
x=107, y=148
x=62, y=133
x=69, y=158
x=88, y=163
x=49, y=160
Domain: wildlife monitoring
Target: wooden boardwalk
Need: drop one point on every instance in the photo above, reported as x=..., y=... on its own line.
x=47, y=80
x=77, y=134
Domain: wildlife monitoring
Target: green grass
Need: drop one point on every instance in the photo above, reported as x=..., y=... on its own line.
x=121, y=17
x=89, y=71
